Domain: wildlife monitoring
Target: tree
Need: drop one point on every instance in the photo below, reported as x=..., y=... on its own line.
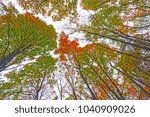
x=34, y=81
x=94, y=62
x=58, y=9
x=23, y=36
x=113, y=65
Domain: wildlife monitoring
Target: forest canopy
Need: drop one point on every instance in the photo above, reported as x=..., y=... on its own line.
x=110, y=61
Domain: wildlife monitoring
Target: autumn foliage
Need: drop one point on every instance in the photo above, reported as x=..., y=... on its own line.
x=114, y=64
x=66, y=46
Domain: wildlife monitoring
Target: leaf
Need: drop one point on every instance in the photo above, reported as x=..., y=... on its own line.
x=66, y=46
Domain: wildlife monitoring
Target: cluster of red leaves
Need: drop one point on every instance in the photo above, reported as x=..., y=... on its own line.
x=32, y=18
x=66, y=46
x=72, y=47
x=132, y=91
x=99, y=91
